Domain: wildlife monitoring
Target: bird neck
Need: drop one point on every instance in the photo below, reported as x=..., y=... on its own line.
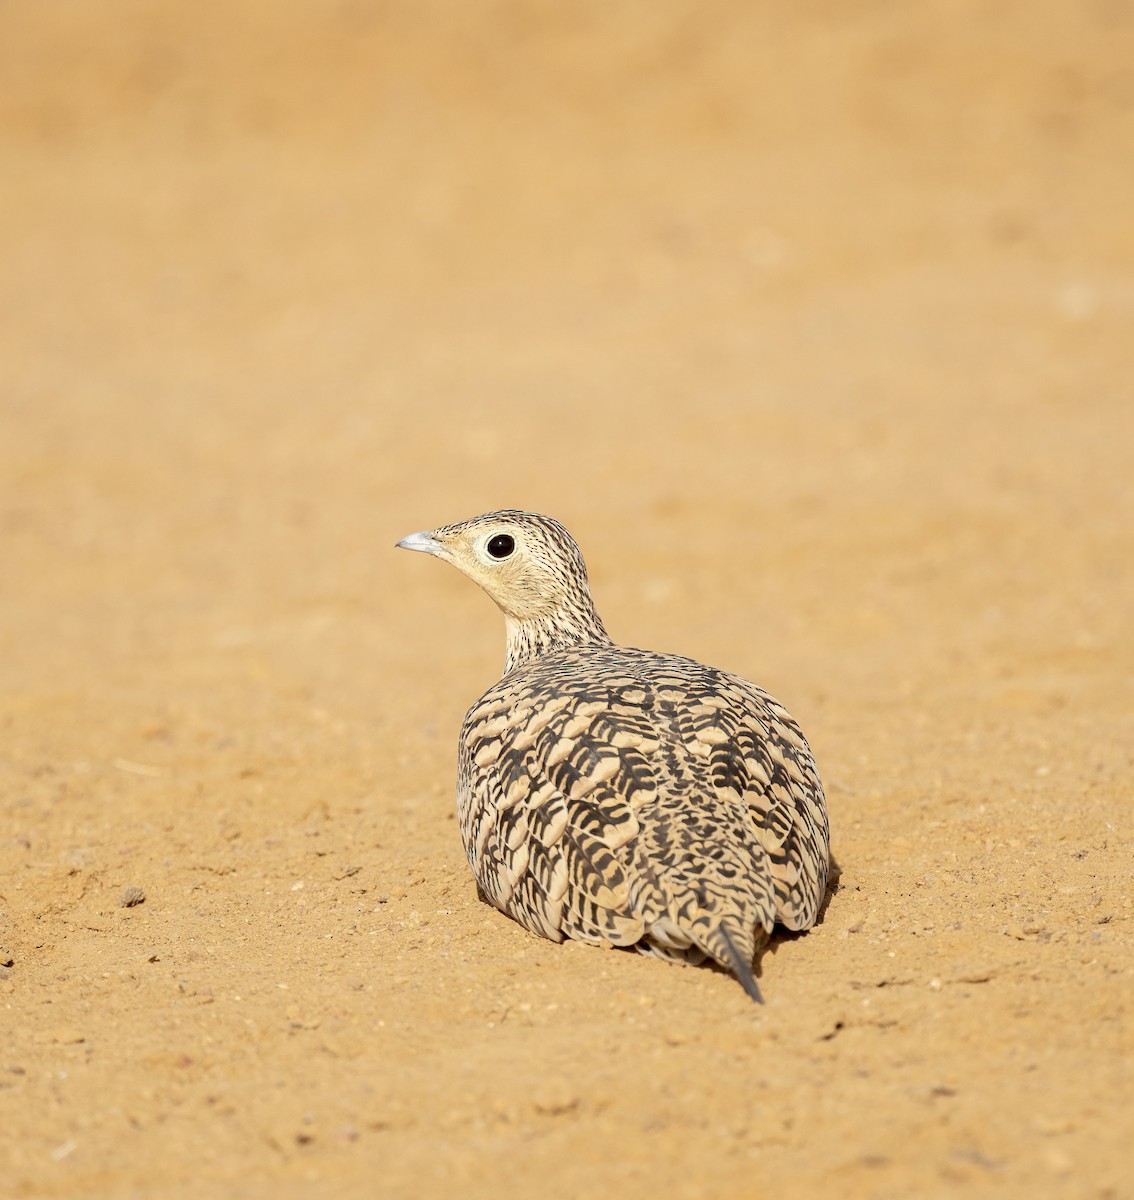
x=572, y=625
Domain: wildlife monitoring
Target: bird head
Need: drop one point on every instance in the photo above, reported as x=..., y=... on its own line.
x=530, y=566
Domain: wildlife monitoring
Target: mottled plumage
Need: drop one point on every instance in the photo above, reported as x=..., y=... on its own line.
x=615, y=795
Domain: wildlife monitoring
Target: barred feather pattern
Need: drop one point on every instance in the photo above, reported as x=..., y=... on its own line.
x=615, y=795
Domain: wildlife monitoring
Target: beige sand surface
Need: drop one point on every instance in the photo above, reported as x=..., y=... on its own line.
x=815, y=323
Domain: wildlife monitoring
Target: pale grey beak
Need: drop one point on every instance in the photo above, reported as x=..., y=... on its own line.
x=424, y=541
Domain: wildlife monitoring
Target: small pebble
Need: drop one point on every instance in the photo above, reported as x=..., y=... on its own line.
x=131, y=896
x=556, y=1098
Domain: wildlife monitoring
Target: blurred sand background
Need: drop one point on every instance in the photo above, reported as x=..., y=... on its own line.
x=815, y=323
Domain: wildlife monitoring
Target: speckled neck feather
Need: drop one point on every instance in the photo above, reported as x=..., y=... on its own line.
x=576, y=623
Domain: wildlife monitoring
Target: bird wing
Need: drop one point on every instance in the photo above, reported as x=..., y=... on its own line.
x=550, y=791
x=652, y=797
x=766, y=761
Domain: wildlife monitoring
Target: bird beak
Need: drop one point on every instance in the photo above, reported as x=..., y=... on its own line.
x=424, y=541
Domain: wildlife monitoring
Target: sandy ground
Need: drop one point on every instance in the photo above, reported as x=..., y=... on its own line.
x=813, y=322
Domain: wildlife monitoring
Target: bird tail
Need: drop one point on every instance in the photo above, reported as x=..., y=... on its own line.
x=733, y=957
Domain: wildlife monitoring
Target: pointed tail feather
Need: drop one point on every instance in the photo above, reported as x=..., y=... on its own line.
x=739, y=966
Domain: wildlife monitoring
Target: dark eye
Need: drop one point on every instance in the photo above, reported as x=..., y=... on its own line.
x=501, y=545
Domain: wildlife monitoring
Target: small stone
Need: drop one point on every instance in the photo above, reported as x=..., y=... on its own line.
x=1023, y=932
x=557, y=1098
x=1053, y=1126
x=131, y=897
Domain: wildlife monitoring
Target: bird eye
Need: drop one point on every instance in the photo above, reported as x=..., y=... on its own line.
x=501, y=545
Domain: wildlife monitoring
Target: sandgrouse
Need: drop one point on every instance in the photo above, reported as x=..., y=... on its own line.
x=617, y=796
